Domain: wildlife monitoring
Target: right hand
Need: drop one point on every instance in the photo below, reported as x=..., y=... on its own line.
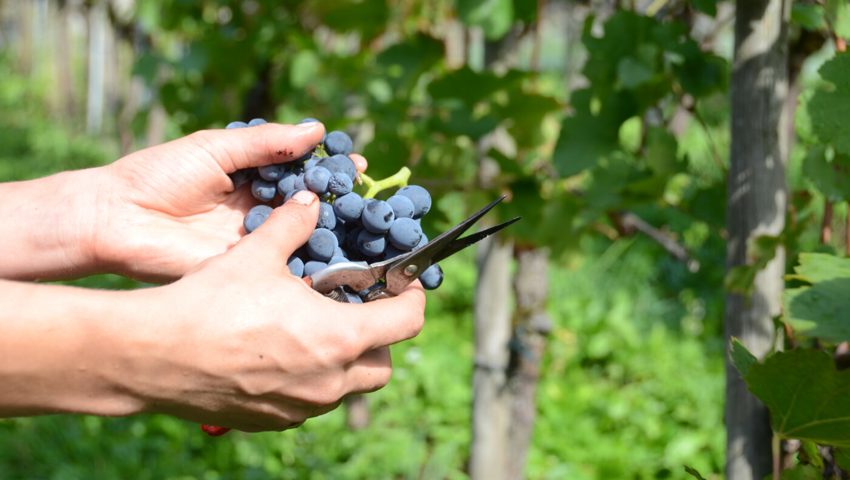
x=240, y=342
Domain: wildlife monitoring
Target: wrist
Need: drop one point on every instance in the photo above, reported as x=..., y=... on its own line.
x=51, y=225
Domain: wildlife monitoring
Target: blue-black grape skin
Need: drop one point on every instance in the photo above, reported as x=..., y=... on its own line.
x=286, y=184
x=241, y=177
x=377, y=216
x=340, y=184
x=349, y=207
x=337, y=259
x=314, y=266
x=339, y=164
x=338, y=143
x=256, y=216
x=256, y=121
x=316, y=179
x=321, y=244
x=432, y=277
x=419, y=196
x=296, y=266
x=370, y=244
x=236, y=124
x=272, y=173
x=263, y=190
x=402, y=206
x=405, y=234
x=308, y=120
x=327, y=218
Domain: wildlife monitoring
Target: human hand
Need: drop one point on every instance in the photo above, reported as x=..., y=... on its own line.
x=242, y=343
x=165, y=209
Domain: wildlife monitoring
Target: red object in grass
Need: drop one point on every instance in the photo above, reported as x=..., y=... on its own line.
x=214, y=431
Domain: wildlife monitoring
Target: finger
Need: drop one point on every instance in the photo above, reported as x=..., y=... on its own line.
x=287, y=228
x=239, y=148
x=387, y=321
x=359, y=162
x=370, y=372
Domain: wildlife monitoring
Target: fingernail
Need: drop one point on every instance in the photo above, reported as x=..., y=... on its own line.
x=307, y=125
x=304, y=197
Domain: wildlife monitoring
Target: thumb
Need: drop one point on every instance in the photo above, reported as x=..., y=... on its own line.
x=287, y=228
x=239, y=148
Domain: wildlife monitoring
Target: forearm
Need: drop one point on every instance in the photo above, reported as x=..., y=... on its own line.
x=67, y=349
x=47, y=226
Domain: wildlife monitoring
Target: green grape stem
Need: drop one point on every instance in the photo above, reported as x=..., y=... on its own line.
x=396, y=180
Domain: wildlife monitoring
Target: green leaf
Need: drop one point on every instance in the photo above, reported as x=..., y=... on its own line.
x=304, y=68
x=829, y=108
x=693, y=472
x=808, y=16
x=708, y=7
x=495, y=17
x=817, y=267
x=741, y=357
x=829, y=173
x=802, y=472
x=822, y=309
x=805, y=394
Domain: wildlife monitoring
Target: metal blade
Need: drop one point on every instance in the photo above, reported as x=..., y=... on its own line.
x=468, y=240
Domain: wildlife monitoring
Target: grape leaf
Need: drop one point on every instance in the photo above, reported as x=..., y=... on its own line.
x=709, y=7
x=829, y=108
x=493, y=16
x=805, y=394
x=821, y=309
x=830, y=175
x=741, y=357
x=808, y=16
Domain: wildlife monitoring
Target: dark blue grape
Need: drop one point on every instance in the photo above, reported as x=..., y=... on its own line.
x=299, y=182
x=339, y=164
x=272, y=173
x=314, y=266
x=432, y=277
x=377, y=216
x=419, y=196
x=296, y=266
x=263, y=190
x=402, y=206
x=349, y=207
x=308, y=120
x=286, y=184
x=256, y=216
x=338, y=143
x=405, y=234
x=340, y=231
x=422, y=242
x=339, y=252
x=327, y=218
x=340, y=184
x=392, y=252
x=321, y=244
x=337, y=259
x=316, y=179
x=311, y=162
x=236, y=125
x=370, y=244
x=256, y=121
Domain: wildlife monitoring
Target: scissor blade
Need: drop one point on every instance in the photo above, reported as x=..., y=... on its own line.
x=408, y=267
x=468, y=240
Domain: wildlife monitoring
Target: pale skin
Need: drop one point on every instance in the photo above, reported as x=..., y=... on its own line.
x=234, y=339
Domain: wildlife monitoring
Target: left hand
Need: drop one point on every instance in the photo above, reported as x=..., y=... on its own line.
x=166, y=209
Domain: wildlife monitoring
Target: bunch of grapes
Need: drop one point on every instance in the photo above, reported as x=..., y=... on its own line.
x=351, y=227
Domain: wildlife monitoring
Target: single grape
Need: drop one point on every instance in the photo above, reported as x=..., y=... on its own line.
x=419, y=196
x=337, y=142
x=402, y=206
x=236, y=125
x=392, y=252
x=370, y=244
x=349, y=207
x=256, y=216
x=432, y=277
x=314, y=266
x=286, y=184
x=422, y=242
x=296, y=266
x=263, y=190
x=327, y=218
x=272, y=173
x=256, y=121
x=336, y=259
x=340, y=184
x=299, y=182
x=316, y=179
x=405, y=234
x=339, y=164
x=321, y=244
x=339, y=252
x=377, y=216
